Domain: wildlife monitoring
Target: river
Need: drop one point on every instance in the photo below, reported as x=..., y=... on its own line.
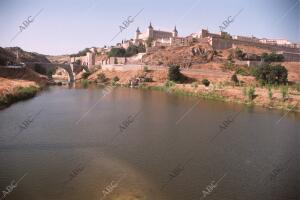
x=130, y=144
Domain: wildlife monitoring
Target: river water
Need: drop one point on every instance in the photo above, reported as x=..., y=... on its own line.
x=130, y=144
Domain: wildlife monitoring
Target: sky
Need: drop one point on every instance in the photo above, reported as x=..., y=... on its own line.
x=68, y=26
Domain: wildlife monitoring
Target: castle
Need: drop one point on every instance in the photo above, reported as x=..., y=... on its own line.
x=153, y=34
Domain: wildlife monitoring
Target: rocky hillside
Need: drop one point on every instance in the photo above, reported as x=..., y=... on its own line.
x=10, y=54
x=61, y=59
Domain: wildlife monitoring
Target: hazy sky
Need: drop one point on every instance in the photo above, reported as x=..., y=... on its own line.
x=67, y=26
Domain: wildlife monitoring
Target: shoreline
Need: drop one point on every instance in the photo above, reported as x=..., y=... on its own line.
x=18, y=94
x=213, y=95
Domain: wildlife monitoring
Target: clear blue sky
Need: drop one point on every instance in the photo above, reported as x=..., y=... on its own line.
x=67, y=26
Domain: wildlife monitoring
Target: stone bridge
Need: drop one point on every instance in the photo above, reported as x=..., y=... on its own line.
x=71, y=69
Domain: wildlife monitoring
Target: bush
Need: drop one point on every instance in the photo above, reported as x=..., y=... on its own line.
x=242, y=71
x=284, y=92
x=115, y=79
x=85, y=75
x=270, y=93
x=269, y=74
x=251, y=93
x=229, y=65
x=234, y=78
x=117, y=52
x=296, y=87
x=134, y=49
x=84, y=83
x=168, y=84
x=146, y=69
x=20, y=93
x=239, y=54
x=205, y=82
x=175, y=74
x=101, y=77
x=81, y=53
x=272, y=57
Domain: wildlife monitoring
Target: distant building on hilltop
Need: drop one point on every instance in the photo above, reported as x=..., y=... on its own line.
x=153, y=34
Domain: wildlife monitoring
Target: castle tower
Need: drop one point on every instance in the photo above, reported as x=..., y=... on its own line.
x=150, y=31
x=175, y=32
x=137, y=33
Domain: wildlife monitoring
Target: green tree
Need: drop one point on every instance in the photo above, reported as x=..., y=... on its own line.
x=132, y=50
x=234, y=78
x=175, y=74
x=85, y=75
x=205, y=82
x=117, y=52
x=239, y=54
x=271, y=74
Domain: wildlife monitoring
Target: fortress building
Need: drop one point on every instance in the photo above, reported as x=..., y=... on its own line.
x=153, y=34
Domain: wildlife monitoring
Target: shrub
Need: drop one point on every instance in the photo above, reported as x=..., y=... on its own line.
x=242, y=71
x=296, y=87
x=251, y=93
x=239, y=54
x=146, y=69
x=269, y=74
x=234, y=78
x=84, y=83
x=117, y=52
x=115, y=79
x=85, y=75
x=229, y=65
x=205, y=82
x=270, y=93
x=245, y=91
x=169, y=83
x=101, y=77
x=272, y=57
x=284, y=92
x=175, y=74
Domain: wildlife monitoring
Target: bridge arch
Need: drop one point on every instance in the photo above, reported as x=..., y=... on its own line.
x=71, y=69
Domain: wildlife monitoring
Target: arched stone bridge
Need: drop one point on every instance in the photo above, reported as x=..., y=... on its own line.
x=71, y=69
